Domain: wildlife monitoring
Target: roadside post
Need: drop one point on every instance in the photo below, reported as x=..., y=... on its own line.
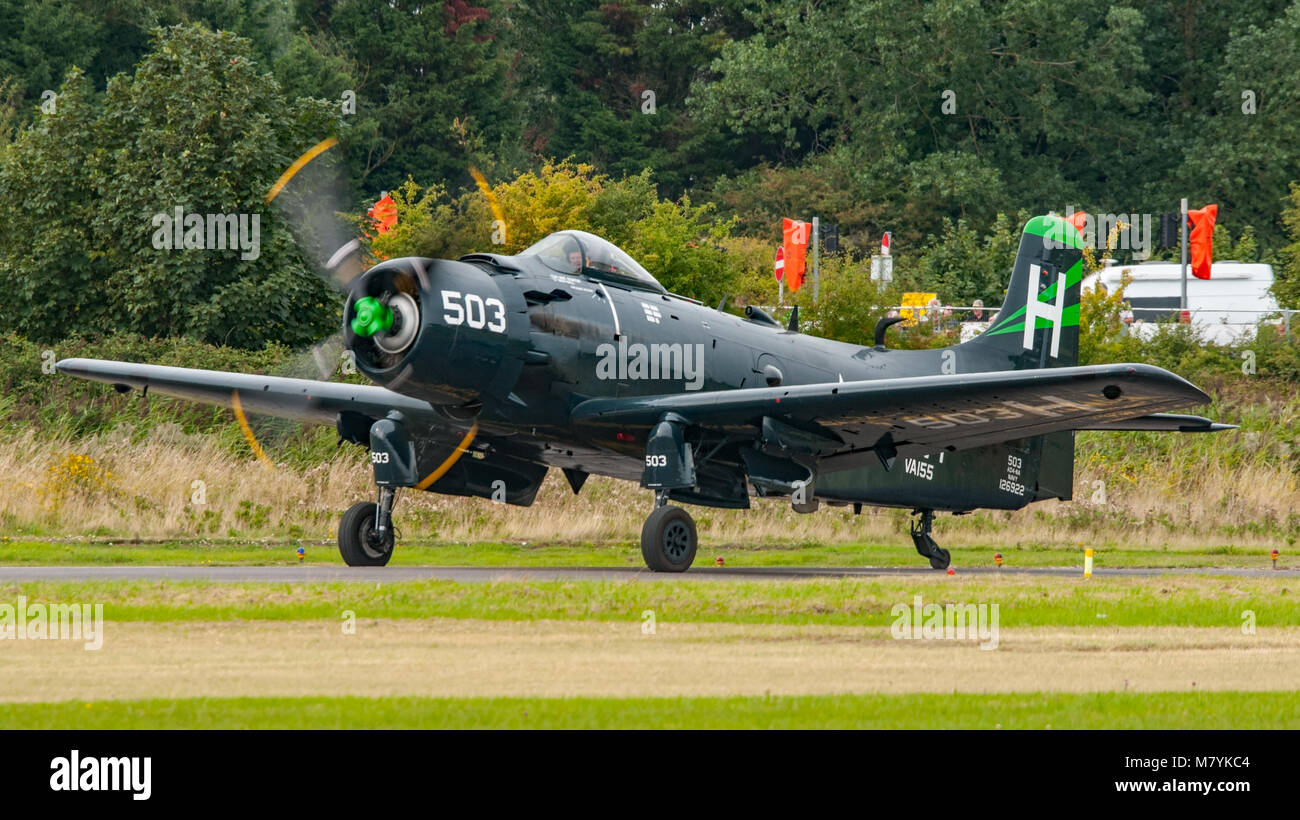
x=816, y=243
x=778, y=268
x=1182, y=305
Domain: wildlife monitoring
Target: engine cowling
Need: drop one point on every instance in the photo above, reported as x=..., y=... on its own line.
x=444, y=331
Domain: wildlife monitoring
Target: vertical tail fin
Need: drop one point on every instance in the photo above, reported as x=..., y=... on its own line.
x=1038, y=325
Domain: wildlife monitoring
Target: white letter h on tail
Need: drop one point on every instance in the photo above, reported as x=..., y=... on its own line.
x=1053, y=313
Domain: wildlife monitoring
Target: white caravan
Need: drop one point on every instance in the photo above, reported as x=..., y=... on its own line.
x=1225, y=308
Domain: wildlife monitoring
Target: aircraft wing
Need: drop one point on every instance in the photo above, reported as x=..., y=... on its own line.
x=300, y=399
x=953, y=411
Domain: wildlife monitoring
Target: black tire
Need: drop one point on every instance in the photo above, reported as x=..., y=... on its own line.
x=668, y=540
x=939, y=558
x=355, y=540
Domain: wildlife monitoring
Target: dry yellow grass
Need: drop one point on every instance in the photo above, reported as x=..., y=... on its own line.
x=440, y=657
x=109, y=485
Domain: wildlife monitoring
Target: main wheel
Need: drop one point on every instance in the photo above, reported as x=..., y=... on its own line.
x=668, y=540
x=357, y=542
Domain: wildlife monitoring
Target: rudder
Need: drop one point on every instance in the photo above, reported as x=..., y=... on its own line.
x=1038, y=325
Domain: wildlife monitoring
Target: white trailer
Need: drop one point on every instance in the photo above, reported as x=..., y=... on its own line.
x=1225, y=308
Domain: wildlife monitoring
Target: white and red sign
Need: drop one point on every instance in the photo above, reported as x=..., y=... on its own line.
x=779, y=266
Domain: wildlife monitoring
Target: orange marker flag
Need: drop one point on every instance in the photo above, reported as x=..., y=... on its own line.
x=1201, y=242
x=795, y=243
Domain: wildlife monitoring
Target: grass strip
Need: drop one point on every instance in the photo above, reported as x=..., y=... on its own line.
x=1023, y=601
x=1019, y=710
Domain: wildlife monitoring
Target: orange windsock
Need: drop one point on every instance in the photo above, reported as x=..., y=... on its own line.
x=1201, y=242
x=384, y=212
x=795, y=243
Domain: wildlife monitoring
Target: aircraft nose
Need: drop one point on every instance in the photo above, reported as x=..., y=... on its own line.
x=443, y=330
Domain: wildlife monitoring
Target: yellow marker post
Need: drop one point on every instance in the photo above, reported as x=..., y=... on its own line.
x=1087, y=563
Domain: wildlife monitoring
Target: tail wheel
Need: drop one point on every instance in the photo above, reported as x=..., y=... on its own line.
x=940, y=559
x=925, y=544
x=357, y=542
x=669, y=540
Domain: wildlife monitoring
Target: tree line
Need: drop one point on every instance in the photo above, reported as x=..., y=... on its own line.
x=683, y=130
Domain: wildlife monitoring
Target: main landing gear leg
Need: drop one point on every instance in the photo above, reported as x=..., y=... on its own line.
x=925, y=545
x=668, y=538
x=366, y=535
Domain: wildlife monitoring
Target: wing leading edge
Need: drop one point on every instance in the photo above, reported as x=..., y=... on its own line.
x=299, y=399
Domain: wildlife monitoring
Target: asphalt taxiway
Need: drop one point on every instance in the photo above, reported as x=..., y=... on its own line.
x=326, y=574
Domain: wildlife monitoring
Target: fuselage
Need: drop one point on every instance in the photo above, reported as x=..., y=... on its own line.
x=575, y=337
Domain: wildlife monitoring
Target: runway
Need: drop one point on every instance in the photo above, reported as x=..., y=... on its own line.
x=326, y=574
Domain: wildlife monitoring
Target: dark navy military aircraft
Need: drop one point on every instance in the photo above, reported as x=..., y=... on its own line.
x=572, y=355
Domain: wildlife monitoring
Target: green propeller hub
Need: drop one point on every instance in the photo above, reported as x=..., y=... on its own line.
x=372, y=317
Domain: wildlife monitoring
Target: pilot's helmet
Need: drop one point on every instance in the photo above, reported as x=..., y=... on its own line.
x=559, y=252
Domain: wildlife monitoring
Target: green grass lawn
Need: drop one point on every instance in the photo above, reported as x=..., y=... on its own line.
x=82, y=552
x=1159, y=710
x=1022, y=601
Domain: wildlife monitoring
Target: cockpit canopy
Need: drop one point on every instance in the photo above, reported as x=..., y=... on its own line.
x=579, y=252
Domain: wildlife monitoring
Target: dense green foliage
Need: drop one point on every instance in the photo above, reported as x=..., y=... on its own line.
x=197, y=127
x=683, y=130
x=675, y=239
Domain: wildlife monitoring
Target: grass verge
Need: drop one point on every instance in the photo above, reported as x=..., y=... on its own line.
x=1021, y=601
x=1030, y=710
